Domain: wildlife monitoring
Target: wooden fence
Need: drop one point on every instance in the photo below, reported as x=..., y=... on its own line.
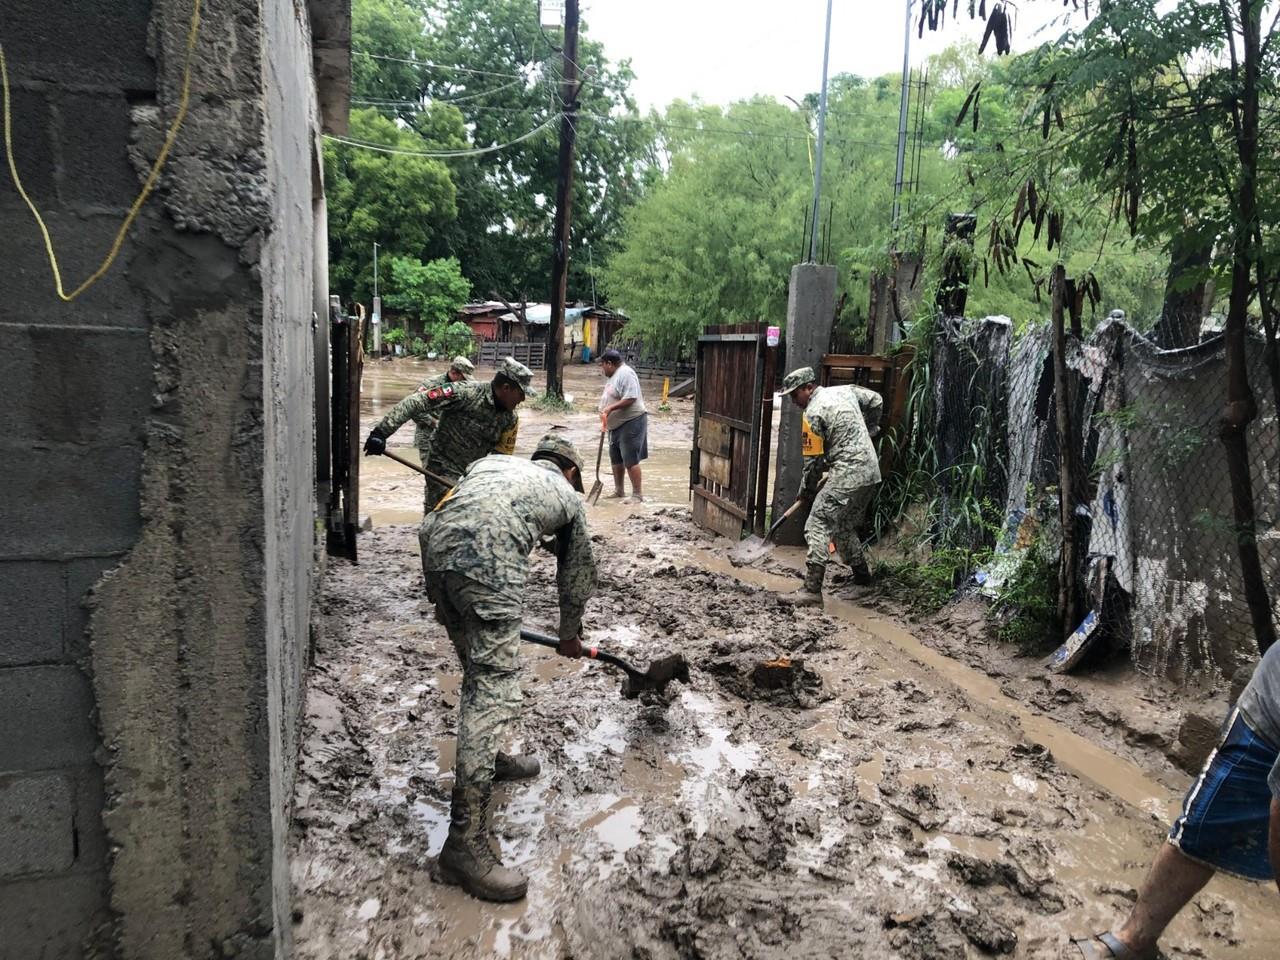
x=532, y=355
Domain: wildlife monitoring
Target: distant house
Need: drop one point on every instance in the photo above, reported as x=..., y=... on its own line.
x=483, y=319
x=584, y=326
x=599, y=326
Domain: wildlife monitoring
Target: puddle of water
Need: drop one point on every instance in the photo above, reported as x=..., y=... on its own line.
x=869, y=773
x=708, y=759
x=618, y=824
x=606, y=737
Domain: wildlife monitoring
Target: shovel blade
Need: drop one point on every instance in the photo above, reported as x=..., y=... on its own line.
x=594, y=496
x=749, y=551
x=657, y=677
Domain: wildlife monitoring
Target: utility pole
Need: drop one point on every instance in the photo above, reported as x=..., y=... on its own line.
x=377, y=306
x=564, y=199
x=902, y=123
x=822, y=136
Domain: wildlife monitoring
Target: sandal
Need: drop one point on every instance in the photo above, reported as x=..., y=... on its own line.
x=1107, y=946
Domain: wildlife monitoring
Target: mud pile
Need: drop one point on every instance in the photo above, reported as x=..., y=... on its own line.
x=809, y=794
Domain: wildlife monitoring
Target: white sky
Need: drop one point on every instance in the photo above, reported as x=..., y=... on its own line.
x=725, y=50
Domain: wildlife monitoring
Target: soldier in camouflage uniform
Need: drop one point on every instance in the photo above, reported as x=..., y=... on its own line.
x=475, y=558
x=466, y=421
x=836, y=431
x=460, y=369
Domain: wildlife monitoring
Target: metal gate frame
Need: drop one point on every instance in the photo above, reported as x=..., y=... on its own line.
x=715, y=507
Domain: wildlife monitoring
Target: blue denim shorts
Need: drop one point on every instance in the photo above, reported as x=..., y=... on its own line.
x=1227, y=811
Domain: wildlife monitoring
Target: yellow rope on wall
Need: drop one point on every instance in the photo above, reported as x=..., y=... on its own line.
x=149, y=185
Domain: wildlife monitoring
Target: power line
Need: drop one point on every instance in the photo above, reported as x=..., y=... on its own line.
x=442, y=154
x=437, y=66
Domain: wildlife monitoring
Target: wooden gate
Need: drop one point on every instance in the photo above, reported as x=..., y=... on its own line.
x=733, y=418
x=342, y=520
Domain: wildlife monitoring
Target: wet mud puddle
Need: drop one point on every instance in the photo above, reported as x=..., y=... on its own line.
x=819, y=789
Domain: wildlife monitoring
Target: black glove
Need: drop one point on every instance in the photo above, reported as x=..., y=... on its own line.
x=375, y=445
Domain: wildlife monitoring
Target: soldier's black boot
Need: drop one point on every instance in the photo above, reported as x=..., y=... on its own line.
x=467, y=860
x=810, y=592
x=517, y=767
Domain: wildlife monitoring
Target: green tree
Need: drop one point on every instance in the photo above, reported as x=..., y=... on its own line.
x=400, y=201
x=491, y=62
x=431, y=291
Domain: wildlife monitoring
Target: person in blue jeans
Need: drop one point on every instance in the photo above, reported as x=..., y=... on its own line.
x=1230, y=821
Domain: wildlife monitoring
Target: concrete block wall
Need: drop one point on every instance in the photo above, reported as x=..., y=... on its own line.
x=75, y=388
x=156, y=479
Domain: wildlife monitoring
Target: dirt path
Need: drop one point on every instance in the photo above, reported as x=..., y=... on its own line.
x=874, y=799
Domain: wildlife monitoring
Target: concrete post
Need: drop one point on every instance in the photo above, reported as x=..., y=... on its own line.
x=811, y=306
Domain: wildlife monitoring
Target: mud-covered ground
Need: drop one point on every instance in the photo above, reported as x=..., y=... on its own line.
x=860, y=795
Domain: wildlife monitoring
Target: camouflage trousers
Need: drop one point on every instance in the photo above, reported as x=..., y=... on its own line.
x=836, y=515
x=485, y=630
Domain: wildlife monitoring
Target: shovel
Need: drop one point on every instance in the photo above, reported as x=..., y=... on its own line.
x=422, y=470
x=754, y=548
x=594, y=496
x=660, y=673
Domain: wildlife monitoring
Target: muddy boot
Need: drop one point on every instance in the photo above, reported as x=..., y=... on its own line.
x=810, y=593
x=467, y=860
x=518, y=767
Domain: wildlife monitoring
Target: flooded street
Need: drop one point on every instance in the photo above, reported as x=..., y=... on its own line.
x=827, y=785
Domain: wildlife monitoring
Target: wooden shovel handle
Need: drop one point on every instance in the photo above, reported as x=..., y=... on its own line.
x=422, y=470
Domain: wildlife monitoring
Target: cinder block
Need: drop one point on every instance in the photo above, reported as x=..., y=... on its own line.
x=90, y=43
x=82, y=575
x=32, y=149
x=31, y=613
x=46, y=715
x=75, y=386
x=81, y=243
x=95, y=132
x=52, y=917
x=37, y=825
x=68, y=501
x=91, y=836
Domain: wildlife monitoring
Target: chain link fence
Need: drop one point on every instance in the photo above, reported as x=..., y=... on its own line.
x=1158, y=564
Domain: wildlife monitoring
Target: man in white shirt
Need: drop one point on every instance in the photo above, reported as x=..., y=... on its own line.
x=624, y=418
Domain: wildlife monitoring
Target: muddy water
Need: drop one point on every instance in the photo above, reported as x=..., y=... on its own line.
x=392, y=493
x=885, y=801
x=1113, y=774
x=882, y=802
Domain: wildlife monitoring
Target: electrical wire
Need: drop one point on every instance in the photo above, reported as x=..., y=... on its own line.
x=184, y=101
x=441, y=154
x=437, y=66
x=426, y=101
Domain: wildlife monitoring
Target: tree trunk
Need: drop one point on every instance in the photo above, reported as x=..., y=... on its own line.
x=1179, y=324
x=1066, y=455
x=1241, y=407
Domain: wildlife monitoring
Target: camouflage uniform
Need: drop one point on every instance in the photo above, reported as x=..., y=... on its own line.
x=457, y=423
x=836, y=431
x=424, y=427
x=475, y=558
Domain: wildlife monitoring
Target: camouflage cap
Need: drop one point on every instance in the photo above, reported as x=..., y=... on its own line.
x=517, y=373
x=798, y=378
x=463, y=366
x=555, y=445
